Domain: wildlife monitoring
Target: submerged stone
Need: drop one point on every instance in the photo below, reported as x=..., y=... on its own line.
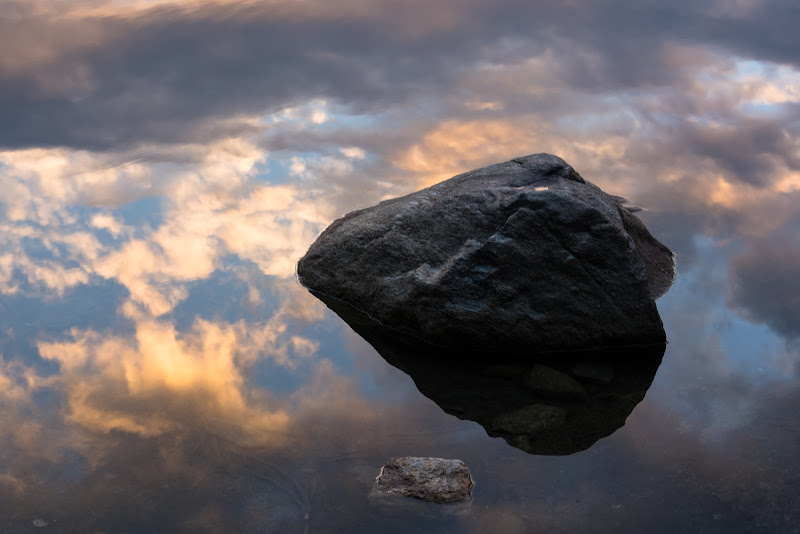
x=437, y=480
x=524, y=255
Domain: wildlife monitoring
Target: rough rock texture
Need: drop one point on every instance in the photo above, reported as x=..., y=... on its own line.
x=555, y=404
x=520, y=254
x=436, y=480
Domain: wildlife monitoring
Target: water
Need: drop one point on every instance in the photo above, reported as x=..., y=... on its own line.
x=164, y=163
x=249, y=406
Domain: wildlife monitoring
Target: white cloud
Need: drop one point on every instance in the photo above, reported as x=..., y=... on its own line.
x=353, y=152
x=211, y=206
x=319, y=116
x=298, y=167
x=107, y=378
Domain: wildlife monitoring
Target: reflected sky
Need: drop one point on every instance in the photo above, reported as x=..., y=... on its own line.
x=164, y=163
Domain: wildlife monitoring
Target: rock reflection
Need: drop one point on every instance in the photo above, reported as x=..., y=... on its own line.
x=555, y=404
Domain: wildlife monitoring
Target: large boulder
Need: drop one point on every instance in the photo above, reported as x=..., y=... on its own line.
x=522, y=255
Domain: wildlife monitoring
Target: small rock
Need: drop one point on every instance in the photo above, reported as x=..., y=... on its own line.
x=436, y=480
x=40, y=523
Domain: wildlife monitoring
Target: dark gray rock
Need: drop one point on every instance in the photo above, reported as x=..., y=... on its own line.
x=437, y=480
x=522, y=255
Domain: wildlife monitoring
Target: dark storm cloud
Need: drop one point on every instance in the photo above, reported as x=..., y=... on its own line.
x=714, y=478
x=765, y=281
x=752, y=150
x=161, y=75
x=156, y=76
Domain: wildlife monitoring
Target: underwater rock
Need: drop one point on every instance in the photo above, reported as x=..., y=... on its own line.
x=522, y=255
x=437, y=480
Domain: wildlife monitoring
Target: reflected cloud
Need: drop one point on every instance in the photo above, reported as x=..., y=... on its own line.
x=112, y=382
x=765, y=285
x=126, y=419
x=108, y=380
x=12, y=389
x=212, y=208
x=170, y=427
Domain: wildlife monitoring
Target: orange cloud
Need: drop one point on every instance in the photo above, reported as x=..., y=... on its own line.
x=147, y=383
x=456, y=146
x=610, y=161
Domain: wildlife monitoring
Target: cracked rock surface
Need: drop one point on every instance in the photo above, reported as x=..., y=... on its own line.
x=522, y=256
x=438, y=480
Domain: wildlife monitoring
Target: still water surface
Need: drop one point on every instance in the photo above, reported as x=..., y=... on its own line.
x=243, y=404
